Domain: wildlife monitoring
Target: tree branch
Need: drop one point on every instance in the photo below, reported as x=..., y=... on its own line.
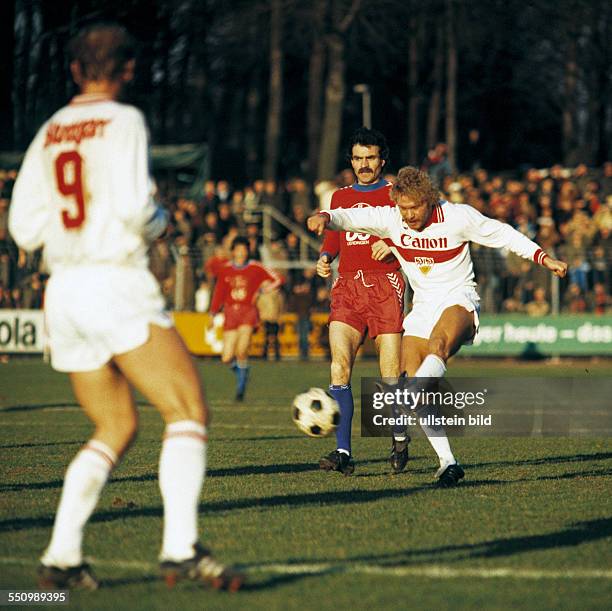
x=349, y=17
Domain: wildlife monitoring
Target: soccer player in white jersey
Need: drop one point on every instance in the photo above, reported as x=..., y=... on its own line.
x=85, y=195
x=430, y=238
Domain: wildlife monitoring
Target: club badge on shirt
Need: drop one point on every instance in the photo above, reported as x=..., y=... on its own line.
x=424, y=264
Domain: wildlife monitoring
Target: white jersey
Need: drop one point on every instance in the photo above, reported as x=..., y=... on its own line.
x=84, y=191
x=436, y=259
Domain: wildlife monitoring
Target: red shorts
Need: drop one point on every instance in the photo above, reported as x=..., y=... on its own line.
x=239, y=314
x=369, y=300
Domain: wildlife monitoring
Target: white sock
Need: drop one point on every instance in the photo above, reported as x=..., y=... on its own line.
x=436, y=436
x=431, y=367
x=434, y=367
x=182, y=465
x=83, y=482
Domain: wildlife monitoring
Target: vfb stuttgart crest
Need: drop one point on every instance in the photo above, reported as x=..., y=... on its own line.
x=424, y=264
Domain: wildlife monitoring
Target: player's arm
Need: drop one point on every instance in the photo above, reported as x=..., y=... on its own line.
x=219, y=296
x=156, y=225
x=268, y=281
x=376, y=221
x=495, y=234
x=329, y=251
x=330, y=247
x=30, y=203
x=132, y=186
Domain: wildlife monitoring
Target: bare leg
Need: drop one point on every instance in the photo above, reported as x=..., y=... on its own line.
x=107, y=400
x=389, y=345
x=229, y=346
x=414, y=350
x=453, y=329
x=243, y=342
x=164, y=372
x=344, y=342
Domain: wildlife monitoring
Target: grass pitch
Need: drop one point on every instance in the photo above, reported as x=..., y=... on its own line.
x=531, y=526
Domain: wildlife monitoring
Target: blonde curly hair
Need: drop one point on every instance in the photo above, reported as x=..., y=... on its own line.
x=416, y=185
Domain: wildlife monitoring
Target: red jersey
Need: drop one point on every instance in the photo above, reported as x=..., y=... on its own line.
x=214, y=264
x=239, y=285
x=355, y=248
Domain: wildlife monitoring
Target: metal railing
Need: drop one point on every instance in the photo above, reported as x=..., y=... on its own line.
x=308, y=245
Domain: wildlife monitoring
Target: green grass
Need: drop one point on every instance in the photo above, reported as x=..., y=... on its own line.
x=539, y=507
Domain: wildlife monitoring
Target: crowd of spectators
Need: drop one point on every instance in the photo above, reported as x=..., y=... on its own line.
x=567, y=211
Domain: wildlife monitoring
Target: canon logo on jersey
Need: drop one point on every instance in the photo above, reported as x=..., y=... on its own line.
x=424, y=243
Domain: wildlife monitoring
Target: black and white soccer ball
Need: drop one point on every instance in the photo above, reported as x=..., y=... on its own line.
x=316, y=412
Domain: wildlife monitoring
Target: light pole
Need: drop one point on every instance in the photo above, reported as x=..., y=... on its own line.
x=366, y=103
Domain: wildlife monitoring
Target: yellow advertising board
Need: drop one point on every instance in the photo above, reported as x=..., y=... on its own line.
x=204, y=341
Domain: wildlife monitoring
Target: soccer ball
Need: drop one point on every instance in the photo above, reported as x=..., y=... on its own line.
x=316, y=412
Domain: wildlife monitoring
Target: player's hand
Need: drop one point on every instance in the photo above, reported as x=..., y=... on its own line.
x=558, y=268
x=317, y=223
x=324, y=266
x=380, y=251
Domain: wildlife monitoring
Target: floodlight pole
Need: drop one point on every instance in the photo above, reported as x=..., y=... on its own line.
x=366, y=103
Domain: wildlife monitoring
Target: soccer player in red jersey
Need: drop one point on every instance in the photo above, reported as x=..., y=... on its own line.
x=368, y=295
x=238, y=283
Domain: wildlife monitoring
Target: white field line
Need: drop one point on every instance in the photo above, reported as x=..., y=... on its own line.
x=216, y=425
x=432, y=571
x=263, y=407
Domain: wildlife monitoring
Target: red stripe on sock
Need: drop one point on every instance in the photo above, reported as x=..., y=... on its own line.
x=101, y=453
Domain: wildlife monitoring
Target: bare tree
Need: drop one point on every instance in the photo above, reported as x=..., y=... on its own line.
x=569, y=103
x=316, y=70
x=198, y=75
x=451, y=84
x=437, y=75
x=161, y=74
x=179, y=54
x=594, y=60
x=253, y=101
x=601, y=94
x=22, y=32
x=414, y=94
x=335, y=88
x=275, y=89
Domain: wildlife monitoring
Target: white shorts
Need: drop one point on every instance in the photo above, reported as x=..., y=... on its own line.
x=423, y=317
x=95, y=312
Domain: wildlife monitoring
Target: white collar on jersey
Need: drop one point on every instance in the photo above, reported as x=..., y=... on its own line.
x=90, y=98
